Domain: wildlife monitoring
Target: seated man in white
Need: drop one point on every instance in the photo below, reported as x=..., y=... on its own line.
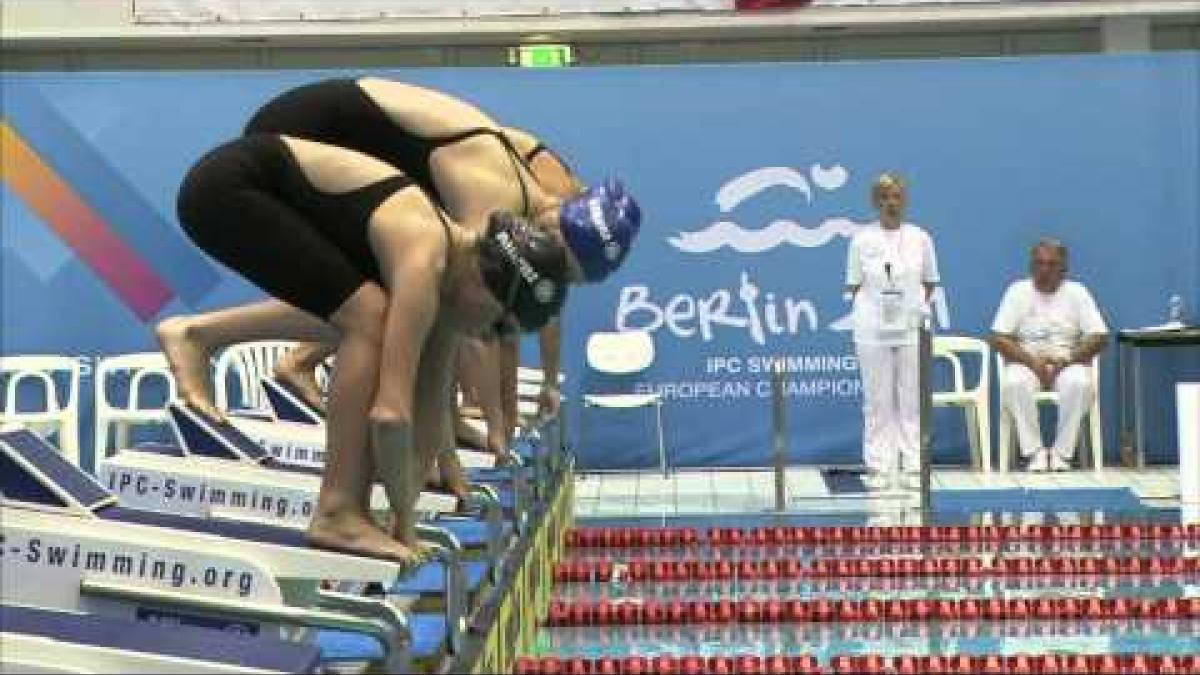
x=1048, y=330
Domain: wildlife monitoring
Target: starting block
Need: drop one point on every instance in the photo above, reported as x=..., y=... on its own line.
x=217, y=472
x=73, y=548
x=292, y=433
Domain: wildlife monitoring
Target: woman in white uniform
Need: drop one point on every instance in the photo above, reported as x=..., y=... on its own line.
x=891, y=272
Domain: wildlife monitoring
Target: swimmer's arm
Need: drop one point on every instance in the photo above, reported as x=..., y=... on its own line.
x=438, y=411
x=442, y=360
x=436, y=408
x=449, y=468
x=491, y=397
x=412, y=270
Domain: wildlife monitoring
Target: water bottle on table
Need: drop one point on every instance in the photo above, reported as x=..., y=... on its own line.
x=1175, y=311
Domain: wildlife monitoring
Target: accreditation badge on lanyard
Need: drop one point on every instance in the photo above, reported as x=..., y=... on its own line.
x=892, y=316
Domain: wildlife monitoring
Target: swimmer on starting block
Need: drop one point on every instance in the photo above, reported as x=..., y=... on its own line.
x=356, y=255
x=470, y=166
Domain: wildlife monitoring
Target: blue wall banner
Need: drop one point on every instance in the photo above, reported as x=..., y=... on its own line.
x=752, y=178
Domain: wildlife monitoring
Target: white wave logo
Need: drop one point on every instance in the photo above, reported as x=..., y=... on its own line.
x=749, y=184
x=726, y=233
x=829, y=179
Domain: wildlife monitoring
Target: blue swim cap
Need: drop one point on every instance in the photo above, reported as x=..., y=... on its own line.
x=600, y=226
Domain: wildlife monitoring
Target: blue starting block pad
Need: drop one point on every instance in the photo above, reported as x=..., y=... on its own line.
x=428, y=637
x=209, y=438
x=165, y=449
x=470, y=533
x=431, y=579
x=288, y=405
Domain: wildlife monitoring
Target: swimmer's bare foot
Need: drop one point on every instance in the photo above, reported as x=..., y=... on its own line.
x=406, y=536
x=448, y=479
x=188, y=359
x=449, y=476
x=459, y=488
x=356, y=534
x=301, y=379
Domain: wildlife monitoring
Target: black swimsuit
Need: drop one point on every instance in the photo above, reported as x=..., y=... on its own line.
x=249, y=205
x=539, y=148
x=339, y=112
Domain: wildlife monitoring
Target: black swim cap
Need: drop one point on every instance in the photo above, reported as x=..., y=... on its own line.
x=525, y=268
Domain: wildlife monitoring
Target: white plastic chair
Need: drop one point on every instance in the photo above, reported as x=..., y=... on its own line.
x=250, y=362
x=136, y=369
x=625, y=353
x=975, y=402
x=61, y=419
x=1092, y=435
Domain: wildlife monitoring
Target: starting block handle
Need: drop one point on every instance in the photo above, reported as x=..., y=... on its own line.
x=452, y=548
x=449, y=553
x=485, y=498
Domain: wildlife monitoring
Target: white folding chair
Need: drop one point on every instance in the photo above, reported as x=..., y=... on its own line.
x=135, y=371
x=625, y=353
x=975, y=402
x=249, y=363
x=1092, y=435
x=59, y=414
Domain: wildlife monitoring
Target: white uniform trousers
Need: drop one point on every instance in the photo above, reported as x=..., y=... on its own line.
x=891, y=406
x=1075, y=387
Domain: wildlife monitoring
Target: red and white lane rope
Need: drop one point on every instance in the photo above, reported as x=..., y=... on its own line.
x=875, y=664
x=686, y=569
x=753, y=611
x=642, y=537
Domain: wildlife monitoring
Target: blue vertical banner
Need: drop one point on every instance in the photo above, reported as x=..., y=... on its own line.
x=752, y=179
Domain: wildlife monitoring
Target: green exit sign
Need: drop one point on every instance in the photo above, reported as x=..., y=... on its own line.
x=541, y=56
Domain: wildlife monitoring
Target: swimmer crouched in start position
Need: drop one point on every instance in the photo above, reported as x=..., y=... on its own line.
x=469, y=166
x=378, y=270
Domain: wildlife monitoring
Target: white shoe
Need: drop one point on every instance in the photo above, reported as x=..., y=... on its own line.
x=1039, y=463
x=877, y=481
x=1058, y=463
